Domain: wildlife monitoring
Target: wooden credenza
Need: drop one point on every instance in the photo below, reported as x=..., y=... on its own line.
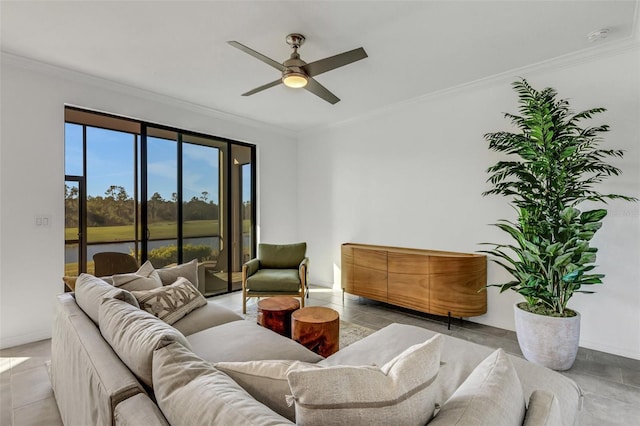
x=430, y=281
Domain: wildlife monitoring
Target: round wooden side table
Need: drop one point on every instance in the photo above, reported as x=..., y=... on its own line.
x=317, y=328
x=274, y=313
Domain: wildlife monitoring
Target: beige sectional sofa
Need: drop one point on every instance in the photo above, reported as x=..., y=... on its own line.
x=212, y=367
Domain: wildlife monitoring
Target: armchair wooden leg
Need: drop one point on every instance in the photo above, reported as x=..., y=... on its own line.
x=244, y=302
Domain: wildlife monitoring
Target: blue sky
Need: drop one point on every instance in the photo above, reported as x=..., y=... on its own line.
x=110, y=161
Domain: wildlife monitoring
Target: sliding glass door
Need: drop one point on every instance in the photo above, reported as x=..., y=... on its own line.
x=242, y=212
x=204, y=225
x=161, y=194
x=159, y=216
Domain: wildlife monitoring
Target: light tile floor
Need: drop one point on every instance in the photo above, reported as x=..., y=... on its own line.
x=611, y=383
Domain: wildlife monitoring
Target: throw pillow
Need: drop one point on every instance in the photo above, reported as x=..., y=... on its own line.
x=188, y=270
x=543, y=410
x=491, y=395
x=108, y=280
x=90, y=290
x=134, y=334
x=172, y=302
x=190, y=391
x=266, y=381
x=399, y=392
x=145, y=278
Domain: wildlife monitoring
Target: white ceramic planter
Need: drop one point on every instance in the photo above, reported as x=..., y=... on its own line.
x=548, y=341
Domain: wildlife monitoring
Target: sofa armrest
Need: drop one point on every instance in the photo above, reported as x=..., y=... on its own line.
x=87, y=377
x=251, y=267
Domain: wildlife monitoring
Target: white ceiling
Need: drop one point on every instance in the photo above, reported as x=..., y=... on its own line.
x=179, y=49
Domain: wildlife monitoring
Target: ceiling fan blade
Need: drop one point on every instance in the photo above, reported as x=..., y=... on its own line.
x=319, y=90
x=263, y=87
x=257, y=55
x=332, y=62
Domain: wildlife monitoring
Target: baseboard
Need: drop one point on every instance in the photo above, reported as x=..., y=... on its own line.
x=596, y=346
x=9, y=342
x=322, y=284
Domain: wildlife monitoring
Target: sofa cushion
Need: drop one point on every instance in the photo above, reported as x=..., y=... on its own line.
x=274, y=280
x=90, y=291
x=108, y=279
x=172, y=302
x=266, y=381
x=145, y=278
x=134, y=334
x=381, y=346
x=491, y=395
x=399, y=392
x=246, y=341
x=209, y=315
x=190, y=391
x=281, y=256
x=543, y=410
x=189, y=270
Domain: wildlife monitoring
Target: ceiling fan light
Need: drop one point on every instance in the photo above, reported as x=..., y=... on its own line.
x=295, y=80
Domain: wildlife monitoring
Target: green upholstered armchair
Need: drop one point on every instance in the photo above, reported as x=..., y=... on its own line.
x=279, y=270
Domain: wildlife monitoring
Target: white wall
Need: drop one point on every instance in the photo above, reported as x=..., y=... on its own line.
x=32, y=178
x=413, y=176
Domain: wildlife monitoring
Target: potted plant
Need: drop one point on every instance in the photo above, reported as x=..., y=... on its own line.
x=553, y=165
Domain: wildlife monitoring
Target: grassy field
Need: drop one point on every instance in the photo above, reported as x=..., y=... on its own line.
x=158, y=231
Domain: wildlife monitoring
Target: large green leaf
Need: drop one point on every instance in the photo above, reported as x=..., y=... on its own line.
x=587, y=258
x=593, y=216
x=569, y=214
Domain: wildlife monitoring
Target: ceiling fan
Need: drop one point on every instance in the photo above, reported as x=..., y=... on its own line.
x=296, y=73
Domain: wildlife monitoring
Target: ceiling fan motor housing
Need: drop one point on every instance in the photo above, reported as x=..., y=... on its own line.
x=294, y=64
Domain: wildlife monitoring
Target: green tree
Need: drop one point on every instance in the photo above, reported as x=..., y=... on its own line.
x=155, y=203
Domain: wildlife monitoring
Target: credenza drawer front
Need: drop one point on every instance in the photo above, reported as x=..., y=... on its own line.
x=371, y=283
x=373, y=259
x=370, y=273
x=460, y=294
x=409, y=291
x=347, y=268
x=402, y=263
x=347, y=253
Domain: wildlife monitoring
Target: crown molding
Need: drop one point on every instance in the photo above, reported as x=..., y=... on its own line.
x=565, y=61
x=103, y=83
